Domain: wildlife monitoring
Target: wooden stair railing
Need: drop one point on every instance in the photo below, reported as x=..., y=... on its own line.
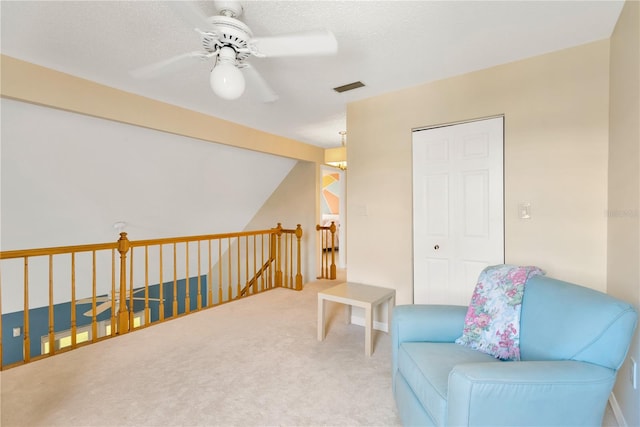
x=274, y=248
x=327, y=239
x=190, y=273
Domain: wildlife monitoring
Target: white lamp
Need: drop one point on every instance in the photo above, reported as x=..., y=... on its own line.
x=226, y=79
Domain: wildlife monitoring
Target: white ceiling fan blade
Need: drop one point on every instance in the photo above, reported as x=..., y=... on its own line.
x=144, y=299
x=140, y=298
x=257, y=83
x=170, y=65
x=90, y=300
x=315, y=42
x=191, y=15
x=99, y=309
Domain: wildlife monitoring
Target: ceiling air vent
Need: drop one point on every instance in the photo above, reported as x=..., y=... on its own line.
x=350, y=86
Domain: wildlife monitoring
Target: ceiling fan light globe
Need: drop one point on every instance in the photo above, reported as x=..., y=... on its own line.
x=227, y=81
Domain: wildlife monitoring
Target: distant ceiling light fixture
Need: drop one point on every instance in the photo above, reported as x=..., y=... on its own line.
x=340, y=165
x=350, y=86
x=119, y=226
x=343, y=134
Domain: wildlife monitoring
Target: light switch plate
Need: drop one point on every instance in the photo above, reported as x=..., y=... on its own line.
x=524, y=210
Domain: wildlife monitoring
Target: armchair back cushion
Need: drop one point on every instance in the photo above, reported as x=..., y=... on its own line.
x=563, y=321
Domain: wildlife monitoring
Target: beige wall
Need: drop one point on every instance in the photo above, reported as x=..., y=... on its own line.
x=294, y=202
x=623, y=278
x=556, y=136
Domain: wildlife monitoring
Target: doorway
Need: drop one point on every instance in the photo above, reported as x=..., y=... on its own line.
x=458, y=208
x=332, y=206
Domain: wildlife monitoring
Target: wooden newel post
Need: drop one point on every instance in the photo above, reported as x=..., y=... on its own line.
x=123, y=315
x=299, y=272
x=332, y=229
x=278, y=255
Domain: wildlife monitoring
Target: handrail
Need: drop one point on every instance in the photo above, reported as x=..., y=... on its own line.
x=75, y=295
x=21, y=253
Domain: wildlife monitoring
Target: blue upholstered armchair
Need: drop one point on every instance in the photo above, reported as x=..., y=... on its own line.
x=573, y=340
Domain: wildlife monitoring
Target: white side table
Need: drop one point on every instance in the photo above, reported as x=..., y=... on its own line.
x=357, y=295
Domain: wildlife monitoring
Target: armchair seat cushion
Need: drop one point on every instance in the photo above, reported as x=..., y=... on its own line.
x=426, y=367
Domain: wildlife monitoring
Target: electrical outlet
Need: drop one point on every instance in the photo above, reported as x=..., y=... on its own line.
x=16, y=332
x=634, y=372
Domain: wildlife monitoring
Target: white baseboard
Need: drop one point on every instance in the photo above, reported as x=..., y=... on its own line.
x=378, y=326
x=617, y=412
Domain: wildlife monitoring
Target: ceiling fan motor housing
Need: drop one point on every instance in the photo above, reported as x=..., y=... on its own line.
x=231, y=32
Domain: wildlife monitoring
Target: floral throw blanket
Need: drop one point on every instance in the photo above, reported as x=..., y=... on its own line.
x=492, y=323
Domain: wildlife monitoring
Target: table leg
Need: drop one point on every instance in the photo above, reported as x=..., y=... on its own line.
x=320, y=318
x=347, y=313
x=368, y=342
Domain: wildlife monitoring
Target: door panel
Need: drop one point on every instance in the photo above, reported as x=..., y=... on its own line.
x=458, y=214
x=475, y=206
x=436, y=197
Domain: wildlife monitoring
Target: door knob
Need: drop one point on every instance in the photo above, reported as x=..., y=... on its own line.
x=436, y=247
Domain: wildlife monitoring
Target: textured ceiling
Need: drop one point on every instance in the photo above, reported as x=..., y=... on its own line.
x=388, y=45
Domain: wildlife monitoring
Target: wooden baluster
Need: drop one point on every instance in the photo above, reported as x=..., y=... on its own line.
x=113, y=292
x=323, y=236
x=199, y=300
x=161, y=289
x=278, y=255
x=52, y=333
x=289, y=259
x=147, y=310
x=219, y=271
x=230, y=290
x=262, y=260
x=27, y=340
x=319, y=229
x=283, y=253
x=187, y=297
x=246, y=264
x=299, y=266
x=123, y=318
x=332, y=228
x=255, y=265
x=94, y=320
x=73, y=300
x=209, y=279
x=238, y=267
x=272, y=258
x=175, y=281
x=131, y=316
x=324, y=257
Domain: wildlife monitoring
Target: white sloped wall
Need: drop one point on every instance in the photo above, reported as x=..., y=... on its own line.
x=67, y=178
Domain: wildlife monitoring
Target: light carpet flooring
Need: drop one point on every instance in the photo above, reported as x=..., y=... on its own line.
x=252, y=362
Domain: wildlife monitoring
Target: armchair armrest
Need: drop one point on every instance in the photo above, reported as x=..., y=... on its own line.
x=561, y=393
x=429, y=323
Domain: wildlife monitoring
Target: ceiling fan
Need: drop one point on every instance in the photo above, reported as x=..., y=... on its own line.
x=230, y=42
x=106, y=302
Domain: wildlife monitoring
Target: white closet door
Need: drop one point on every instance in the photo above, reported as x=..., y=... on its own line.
x=458, y=208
